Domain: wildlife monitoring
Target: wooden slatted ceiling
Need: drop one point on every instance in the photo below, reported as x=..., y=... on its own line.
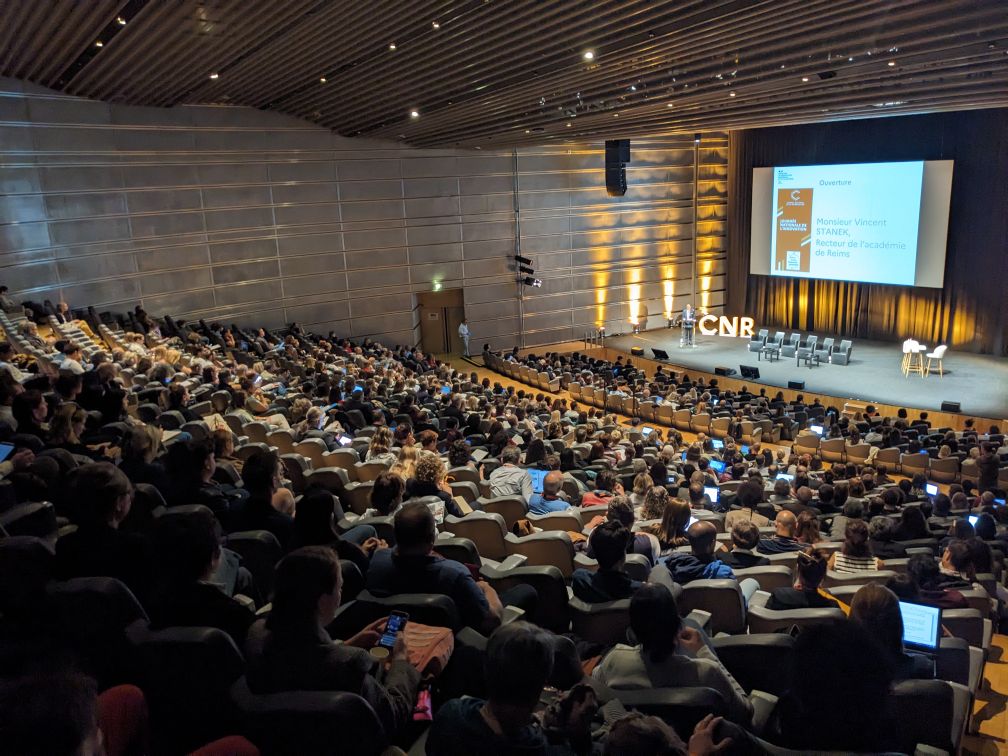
x=508, y=72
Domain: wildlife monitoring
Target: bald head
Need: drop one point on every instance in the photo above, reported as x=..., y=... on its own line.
x=702, y=536
x=552, y=483
x=786, y=523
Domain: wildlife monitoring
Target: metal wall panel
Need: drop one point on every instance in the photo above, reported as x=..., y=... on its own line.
x=242, y=215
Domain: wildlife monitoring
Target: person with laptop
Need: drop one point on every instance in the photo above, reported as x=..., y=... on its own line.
x=893, y=623
x=546, y=498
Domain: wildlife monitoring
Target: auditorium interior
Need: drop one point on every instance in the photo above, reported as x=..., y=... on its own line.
x=468, y=377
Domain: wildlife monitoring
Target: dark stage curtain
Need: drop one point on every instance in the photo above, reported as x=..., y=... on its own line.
x=971, y=311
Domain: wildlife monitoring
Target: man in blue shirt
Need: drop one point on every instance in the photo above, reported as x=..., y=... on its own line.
x=549, y=500
x=414, y=567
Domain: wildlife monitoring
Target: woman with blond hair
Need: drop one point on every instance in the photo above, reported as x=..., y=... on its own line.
x=642, y=483
x=405, y=466
x=429, y=481
x=380, y=448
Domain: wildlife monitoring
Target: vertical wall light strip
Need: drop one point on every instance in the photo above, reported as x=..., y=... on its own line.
x=517, y=247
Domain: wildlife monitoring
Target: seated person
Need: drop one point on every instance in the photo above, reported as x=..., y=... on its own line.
x=189, y=552
x=517, y=666
x=413, y=567
x=748, y=496
x=855, y=555
x=549, y=500
x=606, y=486
x=669, y=655
x=784, y=539
x=98, y=548
x=881, y=539
x=845, y=704
x=925, y=571
x=261, y=476
x=509, y=479
x=701, y=562
x=386, y=495
x=744, y=537
x=608, y=543
x=806, y=593
x=191, y=466
x=429, y=479
x=956, y=566
x=876, y=609
x=291, y=650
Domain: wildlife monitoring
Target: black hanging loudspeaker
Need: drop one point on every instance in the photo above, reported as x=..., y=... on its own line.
x=617, y=155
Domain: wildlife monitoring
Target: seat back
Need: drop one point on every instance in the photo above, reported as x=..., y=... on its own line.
x=260, y=551
x=309, y=722
x=486, y=530
x=34, y=519
x=682, y=708
x=722, y=598
x=185, y=674
x=511, y=508
x=924, y=712
x=567, y=521
x=426, y=608
x=759, y=661
x=605, y=623
x=547, y=548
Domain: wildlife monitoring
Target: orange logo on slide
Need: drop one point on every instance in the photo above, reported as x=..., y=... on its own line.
x=793, y=228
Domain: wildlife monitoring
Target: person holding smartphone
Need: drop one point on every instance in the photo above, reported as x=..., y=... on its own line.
x=291, y=650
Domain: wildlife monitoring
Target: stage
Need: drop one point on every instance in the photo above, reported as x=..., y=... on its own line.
x=978, y=382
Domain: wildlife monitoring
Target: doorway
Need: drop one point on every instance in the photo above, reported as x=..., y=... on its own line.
x=441, y=313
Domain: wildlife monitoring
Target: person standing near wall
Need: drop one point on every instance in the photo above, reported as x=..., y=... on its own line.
x=463, y=333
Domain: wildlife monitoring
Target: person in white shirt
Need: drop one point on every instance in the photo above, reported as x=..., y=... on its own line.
x=463, y=332
x=6, y=355
x=71, y=360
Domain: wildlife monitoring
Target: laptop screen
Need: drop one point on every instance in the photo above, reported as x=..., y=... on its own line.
x=645, y=431
x=712, y=493
x=537, y=479
x=785, y=476
x=817, y=429
x=717, y=443
x=744, y=449
x=931, y=489
x=921, y=626
x=717, y=466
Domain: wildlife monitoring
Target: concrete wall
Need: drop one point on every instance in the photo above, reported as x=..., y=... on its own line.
x=235, y=214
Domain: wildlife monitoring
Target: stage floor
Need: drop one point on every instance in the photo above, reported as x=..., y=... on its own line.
x=978, y=382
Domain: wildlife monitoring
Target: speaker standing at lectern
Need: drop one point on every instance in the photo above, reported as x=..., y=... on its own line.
x=688, y=322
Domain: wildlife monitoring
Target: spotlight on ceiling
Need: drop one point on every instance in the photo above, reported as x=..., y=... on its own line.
x=215, y=76
x=892, y=63
x=804, y=78
x=534, y=282
x=322, y=80
x=589, y=55
x=99, y=43
x=414, y=114
x=435, y=25
x=522, y=260
x=391, y=46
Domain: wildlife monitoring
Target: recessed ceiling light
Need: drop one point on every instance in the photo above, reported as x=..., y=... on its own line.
x=669, y=105
x=731, y=94
x=850, y=60
x=615, y=115
x=391, y=46
x=121, y=21
x=528, y=131
x=435, y=24
x=568, y=124
x=804, y=78
x=322, y=80
x=215, y=76
x=99, y=43
x=414, y=114
x=892, y=63
x=589, y=55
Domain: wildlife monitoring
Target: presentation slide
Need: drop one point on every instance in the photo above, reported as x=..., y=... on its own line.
x=847, y=221
x=883, y=223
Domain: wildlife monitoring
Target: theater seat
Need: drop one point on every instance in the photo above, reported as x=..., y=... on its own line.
x=567, y=520
x=185, y=674
x=721, y=598
x=426, y=608
x=932, y=712
x=260, y=551
x=309, y=723
x=763, y=620
x=552, y=611
x=511, y=508
x=758, y=661
x=549, y=548
x=857, y=578
x=605, y=623
x=773, y=576
x=682, y=708
x=485, y=530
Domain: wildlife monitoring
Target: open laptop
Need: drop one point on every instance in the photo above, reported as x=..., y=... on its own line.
x=537, y=479
x=717, y=466
x=817, y=429
x=921, y=626
x=712, y=493
x=785, y=476
x=717, y=443
x=931, y=489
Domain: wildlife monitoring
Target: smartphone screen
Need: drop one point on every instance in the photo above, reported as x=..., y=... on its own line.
x=396, y=623
x=5, y=451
